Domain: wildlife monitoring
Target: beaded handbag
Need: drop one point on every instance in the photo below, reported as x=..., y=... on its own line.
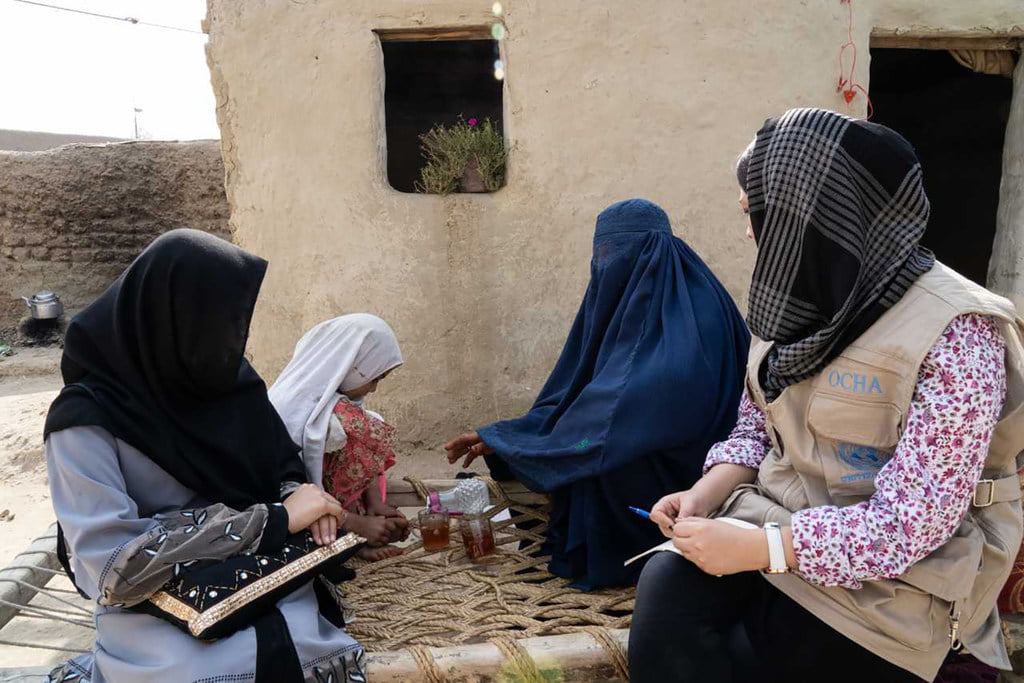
x=213, y=599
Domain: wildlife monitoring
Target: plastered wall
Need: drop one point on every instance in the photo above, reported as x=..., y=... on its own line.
x=604, y=100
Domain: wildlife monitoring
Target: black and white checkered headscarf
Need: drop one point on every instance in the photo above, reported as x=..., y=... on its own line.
x=838, y=208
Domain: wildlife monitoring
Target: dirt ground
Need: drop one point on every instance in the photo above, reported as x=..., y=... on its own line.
x=29, y=381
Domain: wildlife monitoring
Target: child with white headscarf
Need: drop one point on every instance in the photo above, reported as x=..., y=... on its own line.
x=345, y=448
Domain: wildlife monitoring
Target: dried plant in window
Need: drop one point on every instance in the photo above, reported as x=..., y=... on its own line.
x=468, y=156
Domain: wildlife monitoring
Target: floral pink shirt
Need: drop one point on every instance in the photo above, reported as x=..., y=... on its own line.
x=923, y=492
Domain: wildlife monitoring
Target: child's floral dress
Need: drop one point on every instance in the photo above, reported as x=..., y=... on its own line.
x=366, y=453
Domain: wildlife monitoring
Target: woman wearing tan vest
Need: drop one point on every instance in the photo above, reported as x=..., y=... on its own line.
x=877, y=442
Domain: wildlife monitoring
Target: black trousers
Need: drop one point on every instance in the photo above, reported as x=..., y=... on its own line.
x=690, y=626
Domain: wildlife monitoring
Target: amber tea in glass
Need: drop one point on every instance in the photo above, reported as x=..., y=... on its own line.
x=434, y=530
x=477, y=536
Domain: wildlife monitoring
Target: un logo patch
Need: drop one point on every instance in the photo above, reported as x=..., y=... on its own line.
x=863, y=458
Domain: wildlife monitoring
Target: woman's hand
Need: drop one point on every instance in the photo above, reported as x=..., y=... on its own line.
x=707, y=495
x=720, y=548
x=375, y=529
x=307, y=505
x=469, y=445
x=677, y=506
x=324, y=530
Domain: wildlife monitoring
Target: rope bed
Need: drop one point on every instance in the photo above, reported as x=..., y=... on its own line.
x=441, y=599
x=434, y=616
x=421, y=616
x=25, y=596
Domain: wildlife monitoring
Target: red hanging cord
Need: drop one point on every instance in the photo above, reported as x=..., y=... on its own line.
x=847, y=85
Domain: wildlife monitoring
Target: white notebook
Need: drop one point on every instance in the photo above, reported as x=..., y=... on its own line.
x=668, y=545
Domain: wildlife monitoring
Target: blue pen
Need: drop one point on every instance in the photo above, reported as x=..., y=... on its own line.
x=643, y=513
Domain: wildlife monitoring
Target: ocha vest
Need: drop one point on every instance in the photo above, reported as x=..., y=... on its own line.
x=832, y=433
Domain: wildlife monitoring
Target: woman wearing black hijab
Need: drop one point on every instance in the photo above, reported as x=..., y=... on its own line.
x=162, y=449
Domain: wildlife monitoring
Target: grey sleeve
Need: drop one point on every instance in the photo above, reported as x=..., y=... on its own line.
x=121, y=558
x=288, y=488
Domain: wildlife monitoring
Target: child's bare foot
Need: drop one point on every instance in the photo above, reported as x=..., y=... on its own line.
x=378, y=554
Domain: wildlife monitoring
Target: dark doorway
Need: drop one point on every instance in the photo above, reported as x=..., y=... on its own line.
x=956, y=120
x=432, y=82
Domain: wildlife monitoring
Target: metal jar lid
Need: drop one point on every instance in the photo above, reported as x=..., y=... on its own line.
x=44, y=297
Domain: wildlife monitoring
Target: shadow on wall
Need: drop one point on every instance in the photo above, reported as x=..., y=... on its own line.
x=72, y=218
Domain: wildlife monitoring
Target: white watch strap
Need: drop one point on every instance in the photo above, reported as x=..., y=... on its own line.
x=776, y=549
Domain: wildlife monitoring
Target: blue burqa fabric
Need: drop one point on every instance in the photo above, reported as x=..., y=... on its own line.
x=649, y=378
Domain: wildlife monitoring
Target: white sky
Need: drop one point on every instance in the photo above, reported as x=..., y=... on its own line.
x=69, y=73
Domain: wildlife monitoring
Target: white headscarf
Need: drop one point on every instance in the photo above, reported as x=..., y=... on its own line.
x=336, y=355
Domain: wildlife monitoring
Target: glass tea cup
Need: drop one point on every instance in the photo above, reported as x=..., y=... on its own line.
x=434, y=530
x=477, y=537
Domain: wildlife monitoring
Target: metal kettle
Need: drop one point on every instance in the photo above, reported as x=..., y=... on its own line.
x=44, y=305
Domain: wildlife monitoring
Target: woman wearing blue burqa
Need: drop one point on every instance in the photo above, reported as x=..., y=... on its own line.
x=649, y=378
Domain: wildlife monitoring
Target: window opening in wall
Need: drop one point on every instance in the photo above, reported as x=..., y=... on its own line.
x=444, y=80
x=956, y=120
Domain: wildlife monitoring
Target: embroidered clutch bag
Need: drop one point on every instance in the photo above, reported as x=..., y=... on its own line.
x=210, y=600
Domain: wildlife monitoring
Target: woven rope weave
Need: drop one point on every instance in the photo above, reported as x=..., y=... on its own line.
x=440, y=599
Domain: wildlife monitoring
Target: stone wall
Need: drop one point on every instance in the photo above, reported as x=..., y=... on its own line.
x=72, y=218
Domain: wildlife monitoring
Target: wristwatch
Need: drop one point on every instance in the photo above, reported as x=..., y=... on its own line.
x=776, y=549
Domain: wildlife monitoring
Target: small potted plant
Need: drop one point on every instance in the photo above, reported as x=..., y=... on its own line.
x=468, y=156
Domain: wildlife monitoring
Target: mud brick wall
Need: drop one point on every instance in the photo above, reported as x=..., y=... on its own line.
x=72, y=218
